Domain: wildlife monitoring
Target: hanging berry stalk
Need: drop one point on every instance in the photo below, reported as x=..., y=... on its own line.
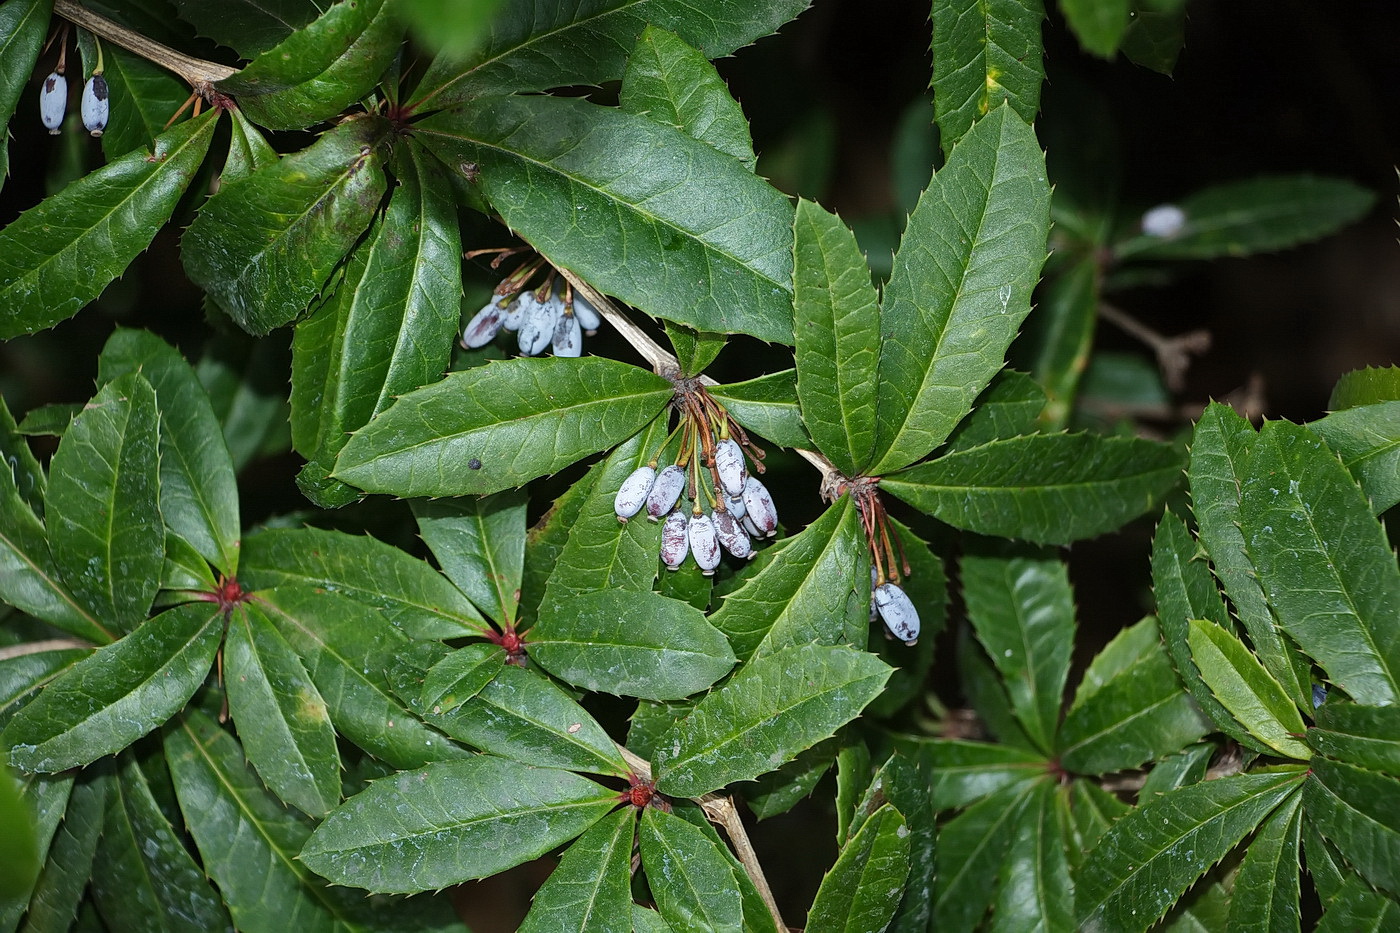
x=888, y=564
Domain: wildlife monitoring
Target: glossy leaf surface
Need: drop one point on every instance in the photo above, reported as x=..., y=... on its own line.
x=116, y=695
x=631, y=644
x=480, y=545
x=59, y=256
x=984, y=54
x=961, y=285
x=1050, y=489
x=514, y=420
x=770, y=710
x=265, y=244
x=856, y=893
x=1248, y=691
x=640, y=210
x=469, y=819
x=837, y=331
x=588, y=890
x=767, y=406
x=693, y=884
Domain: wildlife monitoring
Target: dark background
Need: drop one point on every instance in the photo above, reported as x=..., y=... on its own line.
x=1261, y=87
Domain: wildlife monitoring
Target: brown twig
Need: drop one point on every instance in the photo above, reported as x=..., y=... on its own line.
x=196, y=72
x=39, y=647
x=1173, y=353
x=720, y=810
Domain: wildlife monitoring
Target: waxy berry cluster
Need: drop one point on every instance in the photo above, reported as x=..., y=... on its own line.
x=546, y=317
x=888, y=565
x=726, y=505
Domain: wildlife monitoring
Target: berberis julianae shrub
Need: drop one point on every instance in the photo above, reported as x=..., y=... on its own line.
x=214, y=720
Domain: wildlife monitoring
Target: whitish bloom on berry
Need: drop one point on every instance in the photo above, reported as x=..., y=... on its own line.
x=1164, y=221
x=588, y=317
x=568, y=338
x=95, y=105
x=483, y=326
x=515, y=314
x=735, y=506
x=53, y=101
x=537, y=327
x=898, y=612
x=732, y=535
x=632, y=494
x=666, y=492
x=704, y=543
x=729, y=463
x=759, y=508
x=675, y=540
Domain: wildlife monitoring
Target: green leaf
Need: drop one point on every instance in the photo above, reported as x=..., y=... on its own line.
x=1367, y=438
x=281, y=717
x=249, y=844
x=410, y=594
x=264, y=245
x=44, y=797
x=463, y=820
x=321, y=69
x=961, y=285
x=248, y=26
x=694, y=350
x=500, y=425
x=644, y=920
x=971, y=846
x=20, y=859
x=1368, y=736
x=540, y=46
x=453, y=678
x=103, y=501
x=345, y=646
x=246, y=381
x=521, y=715
x=1092, y=811
x=1323, y=560
x=1034, y=892
x=25, y=475
x=1246, y=689
x=60, y=886
x=1154, y=37
x=119, y=693
x=547, y=539
x=1129, y=708
x=1358, y=909
x=1151, y=856
x=1257, y=215
x=142, y=98
x=630, y=644
x=57, y=257
x=1187, y=766
x=588, y=891
x=198, y=490
x=856, y=894
x=1220, y=449
x=638, y=209
x=767, y=406
x=774, y=707
x=964, y=771
x=757, y=916
x=389, y=327
x=1059, y=337
x=446, y=25
x=1099, y=25
x=248, y=149
x=693, y=884
x=779, y=791
x=148, y=879
x=812, y=588
x=1045, y=488
x=49, y=421
x=1020, y=604
x=480, y=545
x=29, y=579
x=1185, y=591
x=1267, y=889
x=984, y=54
x=671, y=82
x=837, y=328
x=986, y=693
x=23, y=26
x=602, y=553
x=1368, y=386
x=1355, y=809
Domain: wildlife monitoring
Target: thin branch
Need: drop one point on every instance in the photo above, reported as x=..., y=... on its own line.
x=662, y=362
x=1173, y=353
x=39, y=647
x=196, y=72
x=719, y=809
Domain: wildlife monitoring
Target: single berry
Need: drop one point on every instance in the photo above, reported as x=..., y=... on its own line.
x=732, y=535
x=729, y=463
x=483, y=326
x=1164, y=221
x=898, y=612
x=53, y=101
x=632, y=494
x=588, y=317
x=759, y=509
x=568, y=338
x=95, y=105
x=675, y=540
x=704, y=543
x=666, y=492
